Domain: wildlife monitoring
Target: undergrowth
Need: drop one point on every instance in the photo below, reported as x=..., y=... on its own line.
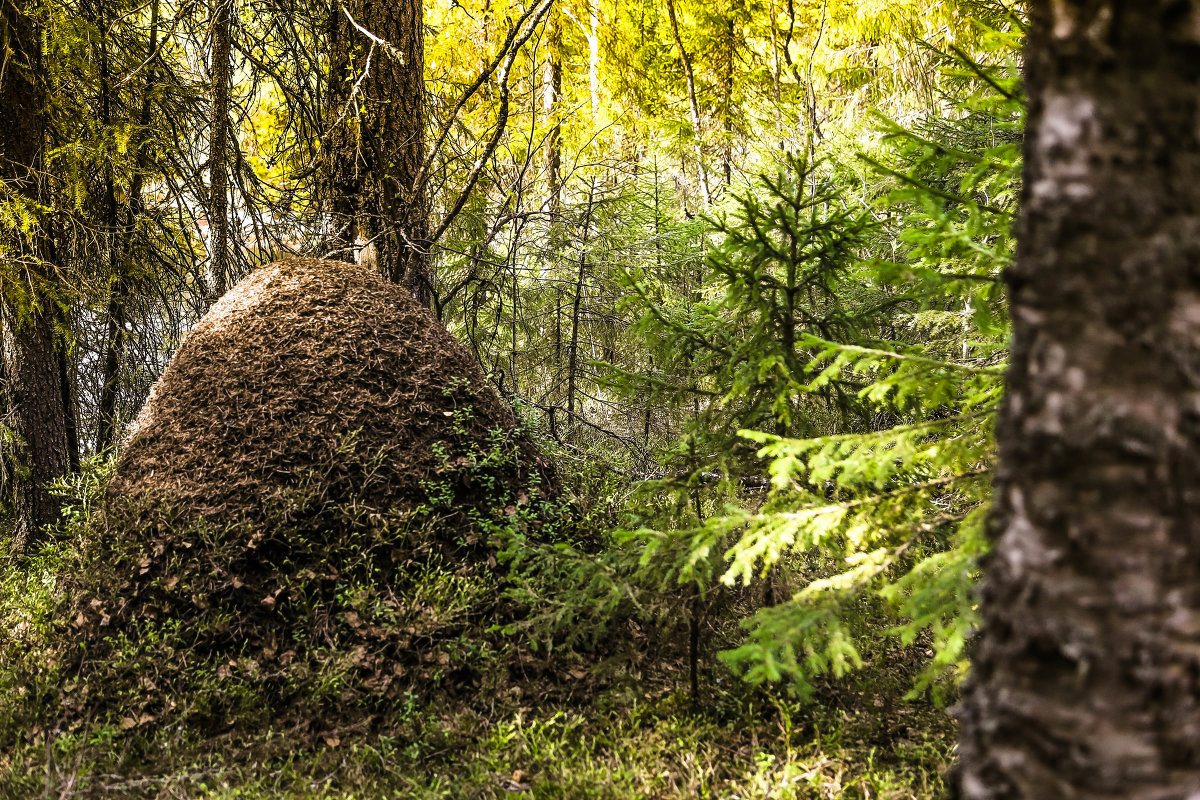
x=503, y=673
x=634, y=736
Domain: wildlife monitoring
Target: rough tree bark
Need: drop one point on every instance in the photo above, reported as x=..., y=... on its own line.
x=1086, y=679
x=35, y=391
x=377, y=139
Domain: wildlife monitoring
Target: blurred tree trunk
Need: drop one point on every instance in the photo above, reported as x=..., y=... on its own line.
x=377, y=140
x=1086, y=681
x=35, y=391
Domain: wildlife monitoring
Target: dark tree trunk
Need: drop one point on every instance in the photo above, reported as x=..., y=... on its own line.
x=219, y=222
x=35, y=391
x=114, y=347
x=377, y=140
x=110, y=375
x=1086, y=679
x=66, y=388
x=38, y=419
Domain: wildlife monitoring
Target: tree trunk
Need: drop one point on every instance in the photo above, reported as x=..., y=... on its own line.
x=66, y=385
x=577, y=309
x=220, y=267
x=1086, y=678
x=593, y=40
x=114, y=347
x=551, y=97
x=38, y=420
x=118, y=298
x=35, y=383
x=727, y=99
x=377, y=140
x=689, y=75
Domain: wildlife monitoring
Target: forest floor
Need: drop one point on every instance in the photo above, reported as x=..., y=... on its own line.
x=576, y=727
x=626, y=742
x=609, y=731
x=623, y=744
x=614, y=729
x=620, y=747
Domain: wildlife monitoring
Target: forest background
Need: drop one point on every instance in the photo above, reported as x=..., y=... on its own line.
x=737, y=265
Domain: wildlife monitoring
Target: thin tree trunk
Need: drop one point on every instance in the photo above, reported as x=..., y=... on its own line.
x=219, y=223
x=576, y=310
x=515, y=295
x=551, y=98
x=1085, y=680
x=110, y=195
x=727, y=100
x=775, y=56
x=114, y=347
x=693, y=104
x=65, y=386
x=114, y=341
x=696, y=605
x=36, y=410
x=593, y=40
x=110, y=374
x=118, y=298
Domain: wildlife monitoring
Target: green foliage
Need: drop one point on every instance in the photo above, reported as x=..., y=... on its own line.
x=737, y=337
x=896, y=364
x=783, y=270
x=899, y=512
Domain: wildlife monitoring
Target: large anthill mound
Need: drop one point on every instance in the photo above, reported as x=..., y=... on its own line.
x=299, y=530
x=313, y=382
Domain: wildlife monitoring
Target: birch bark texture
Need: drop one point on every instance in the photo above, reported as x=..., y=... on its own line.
x=1086, y=677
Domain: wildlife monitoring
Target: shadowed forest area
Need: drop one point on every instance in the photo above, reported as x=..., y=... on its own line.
x=600, y=399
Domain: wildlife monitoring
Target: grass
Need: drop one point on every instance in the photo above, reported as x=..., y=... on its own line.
x=614, y=742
